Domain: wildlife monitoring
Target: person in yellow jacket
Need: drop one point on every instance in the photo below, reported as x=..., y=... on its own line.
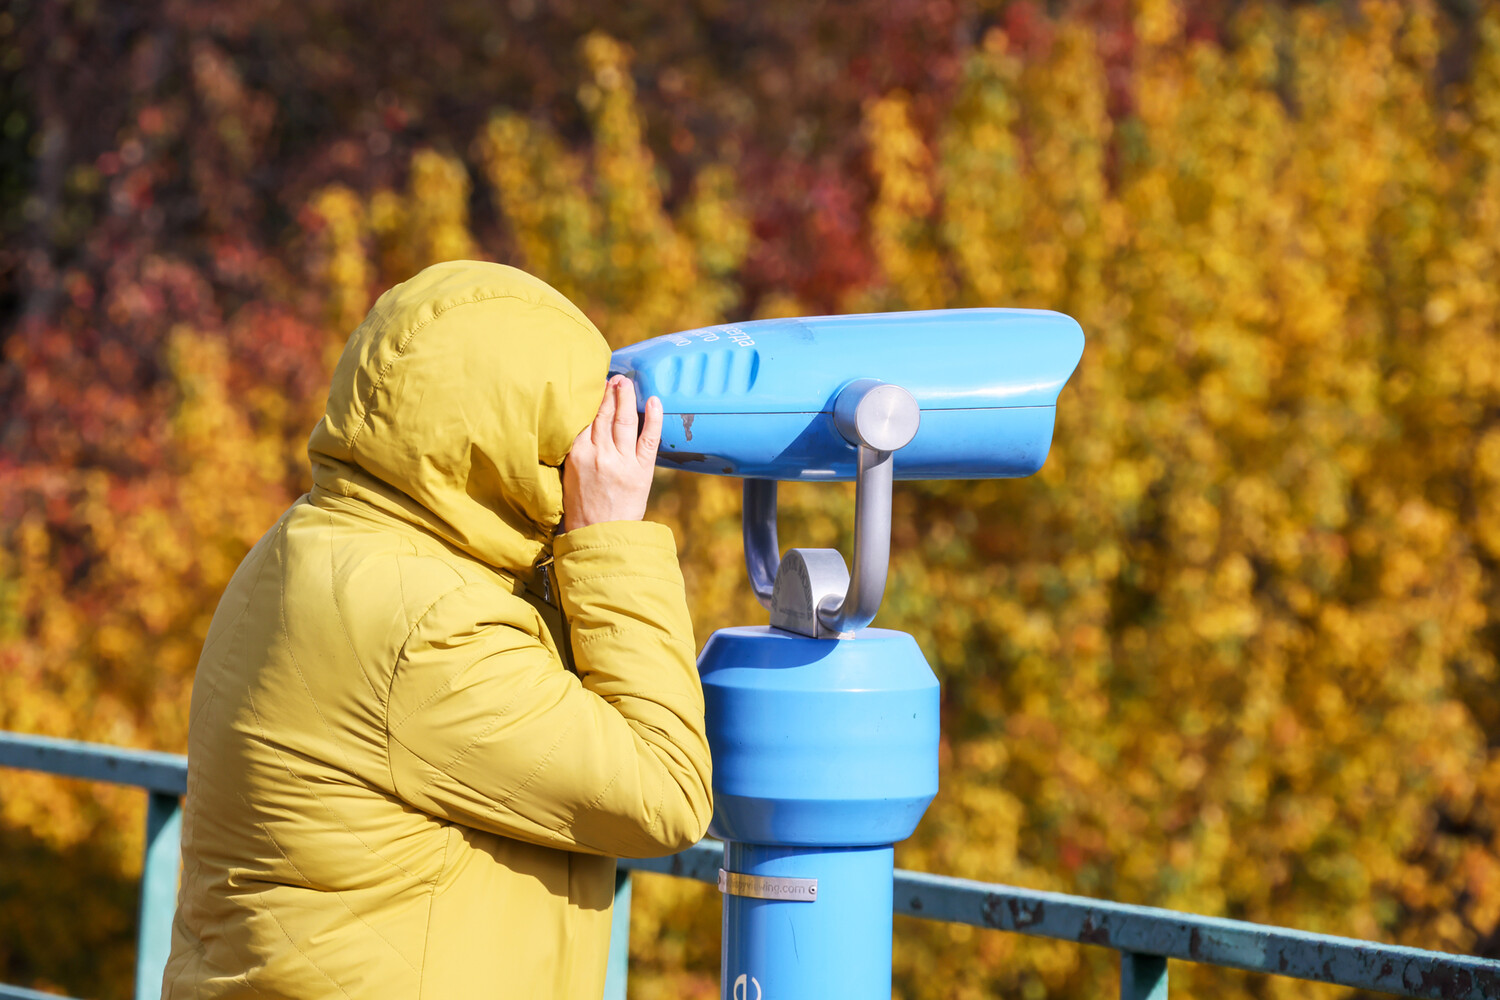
x=425, y=722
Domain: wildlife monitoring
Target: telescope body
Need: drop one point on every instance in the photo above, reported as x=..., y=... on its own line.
x=757, y=399
x=824, y=732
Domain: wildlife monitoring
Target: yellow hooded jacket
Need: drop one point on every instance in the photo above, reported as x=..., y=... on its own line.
x=416, y=749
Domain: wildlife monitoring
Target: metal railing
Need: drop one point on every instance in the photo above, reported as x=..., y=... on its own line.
x=164, y=778
x=1145, y=936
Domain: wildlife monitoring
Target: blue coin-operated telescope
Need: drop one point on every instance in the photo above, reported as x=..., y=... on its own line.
x=824, y=731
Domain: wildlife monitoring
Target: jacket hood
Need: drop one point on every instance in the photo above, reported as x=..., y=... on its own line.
x=454, y=404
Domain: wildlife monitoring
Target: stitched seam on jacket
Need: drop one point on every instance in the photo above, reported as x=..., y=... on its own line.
x=576, y=578
x=200, y=958
x=292, y=941
x=339, y=895
x=645, y=542
x=401, y=588
x=463, y=751
x=312, y=698
x=339, y=611
x=592, y=804
x=494, y=807
x=214, y=690
x=431, y=908
x=243, y=978
x=494, y=724
x=446, y=685
x=250, y=700
x=613, y=547
x=385, y=720
x=257, y=896
x=620, y=630
x=280, y=534
x=661, y=793
x=427, y=932
x=609, y=631
x=546, y=759
x=405, y=342
x=503, y=805
x=541, y=763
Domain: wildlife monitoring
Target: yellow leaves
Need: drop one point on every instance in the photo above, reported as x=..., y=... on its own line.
x=1158, y=22
x=981, y=168
x=342, y=261
x=387, y=215
x=1231, y=650
x=1487, y=468
x=1195, y=523
x=1219, y=605
x=429, y=223
x=636, y=227
x=900, y=219
x=438, y=209
x=598, y=229
x=1029, y=633
x=898, y=157
x=716, y=225
x=1288, y=597
x=540, y=186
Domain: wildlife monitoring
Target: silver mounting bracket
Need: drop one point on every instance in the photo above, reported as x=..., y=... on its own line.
x=810, y=591
x=804, y=580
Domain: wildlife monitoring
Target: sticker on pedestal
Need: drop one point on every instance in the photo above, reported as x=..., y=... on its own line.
x=786, y=890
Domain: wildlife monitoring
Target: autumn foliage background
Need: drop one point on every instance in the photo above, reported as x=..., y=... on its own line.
x=1233, y=650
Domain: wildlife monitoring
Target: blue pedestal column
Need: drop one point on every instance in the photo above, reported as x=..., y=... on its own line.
x=839, y=946
x=825, y=754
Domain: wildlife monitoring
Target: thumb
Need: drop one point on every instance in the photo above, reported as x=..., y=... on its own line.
x=650, y=437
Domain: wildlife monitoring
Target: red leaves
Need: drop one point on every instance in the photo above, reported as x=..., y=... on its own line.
x=809, y=233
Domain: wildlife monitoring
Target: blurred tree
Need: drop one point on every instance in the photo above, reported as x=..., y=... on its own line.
x=1232, y=651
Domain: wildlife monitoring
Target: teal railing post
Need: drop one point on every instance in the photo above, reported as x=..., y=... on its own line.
x=619, y=940
x=158, y=892
x=1142, y=977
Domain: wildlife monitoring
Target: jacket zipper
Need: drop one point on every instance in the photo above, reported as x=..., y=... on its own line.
x=545, y=568
x=565, y=647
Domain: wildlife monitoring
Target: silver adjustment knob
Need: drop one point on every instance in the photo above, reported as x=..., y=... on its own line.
x=876, y=414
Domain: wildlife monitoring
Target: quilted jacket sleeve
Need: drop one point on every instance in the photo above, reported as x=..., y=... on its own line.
x=487, y=728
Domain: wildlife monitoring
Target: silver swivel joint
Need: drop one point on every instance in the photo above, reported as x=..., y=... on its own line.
x=809, y=591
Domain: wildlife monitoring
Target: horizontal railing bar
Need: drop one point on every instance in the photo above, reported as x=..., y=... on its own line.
x=701, y=862
x=1149, y=930
x=149, y=769
x=1144, y=930
x=1238, y=944
x=21, y=993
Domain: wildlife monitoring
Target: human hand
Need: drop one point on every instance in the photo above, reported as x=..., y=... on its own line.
x=607, y=475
